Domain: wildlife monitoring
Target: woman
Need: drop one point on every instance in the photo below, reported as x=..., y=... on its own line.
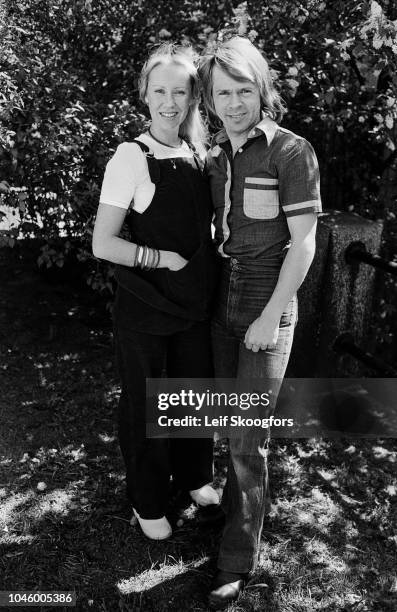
x=265, y=189
x=156, y=185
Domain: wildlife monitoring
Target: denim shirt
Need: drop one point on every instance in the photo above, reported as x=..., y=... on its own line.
x=273, y=176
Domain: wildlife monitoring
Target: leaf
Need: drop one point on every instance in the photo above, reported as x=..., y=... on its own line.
x=292, y=83
x=329, y=96
x=4, y=187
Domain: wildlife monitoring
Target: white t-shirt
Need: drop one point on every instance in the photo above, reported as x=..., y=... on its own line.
x=127, y=182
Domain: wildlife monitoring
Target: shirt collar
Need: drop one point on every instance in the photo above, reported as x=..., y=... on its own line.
x=266, y=125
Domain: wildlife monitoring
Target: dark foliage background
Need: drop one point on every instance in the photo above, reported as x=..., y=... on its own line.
x=68, y=96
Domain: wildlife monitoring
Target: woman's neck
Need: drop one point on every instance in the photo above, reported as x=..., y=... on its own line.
x=167, y=138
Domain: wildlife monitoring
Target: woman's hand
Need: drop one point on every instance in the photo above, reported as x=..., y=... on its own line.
x=172, y=261
x=262, y=333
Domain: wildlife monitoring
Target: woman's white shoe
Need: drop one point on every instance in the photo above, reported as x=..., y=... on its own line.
x=205, y=496
x=155, y=529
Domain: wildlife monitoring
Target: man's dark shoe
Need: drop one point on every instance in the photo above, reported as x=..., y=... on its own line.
x=225, y=588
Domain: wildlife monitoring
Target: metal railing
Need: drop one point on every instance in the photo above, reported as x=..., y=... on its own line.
x=356, y=252
x=345, y=344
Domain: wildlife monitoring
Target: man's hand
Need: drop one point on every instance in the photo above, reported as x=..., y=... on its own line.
x=262, y=333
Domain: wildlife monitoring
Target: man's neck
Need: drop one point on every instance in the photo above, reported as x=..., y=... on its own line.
x=238, y=141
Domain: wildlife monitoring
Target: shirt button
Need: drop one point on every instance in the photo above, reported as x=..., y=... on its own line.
x=240, y=150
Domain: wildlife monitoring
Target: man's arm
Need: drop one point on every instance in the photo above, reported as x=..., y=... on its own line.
x=263, y=332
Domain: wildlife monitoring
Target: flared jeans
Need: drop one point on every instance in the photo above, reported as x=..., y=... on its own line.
x=244, y=291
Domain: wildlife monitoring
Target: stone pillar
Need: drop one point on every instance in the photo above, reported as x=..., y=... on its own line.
x=335, y=297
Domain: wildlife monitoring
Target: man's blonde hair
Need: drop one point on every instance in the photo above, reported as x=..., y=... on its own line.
x=242, y=61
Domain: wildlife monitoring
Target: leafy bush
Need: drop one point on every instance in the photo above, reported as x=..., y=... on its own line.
x=337, y=64
x=68, y=82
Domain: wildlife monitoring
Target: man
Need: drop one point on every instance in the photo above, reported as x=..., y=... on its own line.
x=265, y=189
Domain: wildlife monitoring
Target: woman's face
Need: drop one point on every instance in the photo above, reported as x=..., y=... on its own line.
x=237, y=103
x=168, y=95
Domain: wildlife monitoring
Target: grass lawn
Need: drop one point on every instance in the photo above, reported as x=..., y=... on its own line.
x=329, y=544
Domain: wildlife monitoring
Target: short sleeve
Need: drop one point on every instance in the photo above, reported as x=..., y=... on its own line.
x=124, y=172
x=299, y=179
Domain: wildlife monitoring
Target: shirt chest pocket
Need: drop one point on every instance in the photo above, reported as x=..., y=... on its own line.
x=260, y=198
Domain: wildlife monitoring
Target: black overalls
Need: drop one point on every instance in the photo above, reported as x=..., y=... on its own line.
x=161, y=320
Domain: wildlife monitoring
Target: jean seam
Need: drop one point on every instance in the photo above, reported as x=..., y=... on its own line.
x=259, y=520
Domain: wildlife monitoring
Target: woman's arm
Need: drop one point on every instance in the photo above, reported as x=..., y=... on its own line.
x=263, y=332
x=107, y=244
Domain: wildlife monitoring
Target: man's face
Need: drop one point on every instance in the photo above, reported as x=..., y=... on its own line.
x=237, y=103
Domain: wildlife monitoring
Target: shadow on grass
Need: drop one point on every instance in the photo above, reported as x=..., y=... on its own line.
x=329, y=543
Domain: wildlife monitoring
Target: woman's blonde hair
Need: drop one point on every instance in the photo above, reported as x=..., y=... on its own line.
x=241, y=60
x=192, y=128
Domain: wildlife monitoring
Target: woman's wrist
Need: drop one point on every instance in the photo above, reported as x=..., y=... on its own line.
x=134, y=258
x=146, y=258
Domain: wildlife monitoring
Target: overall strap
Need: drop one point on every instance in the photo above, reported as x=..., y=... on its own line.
x=153, y=165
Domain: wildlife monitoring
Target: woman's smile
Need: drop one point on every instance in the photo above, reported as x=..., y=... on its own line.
x=168, y=97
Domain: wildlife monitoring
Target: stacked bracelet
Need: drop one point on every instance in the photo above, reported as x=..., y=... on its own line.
x=146, y=258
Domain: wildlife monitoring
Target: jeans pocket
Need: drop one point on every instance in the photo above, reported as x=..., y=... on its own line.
x=290, y=314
